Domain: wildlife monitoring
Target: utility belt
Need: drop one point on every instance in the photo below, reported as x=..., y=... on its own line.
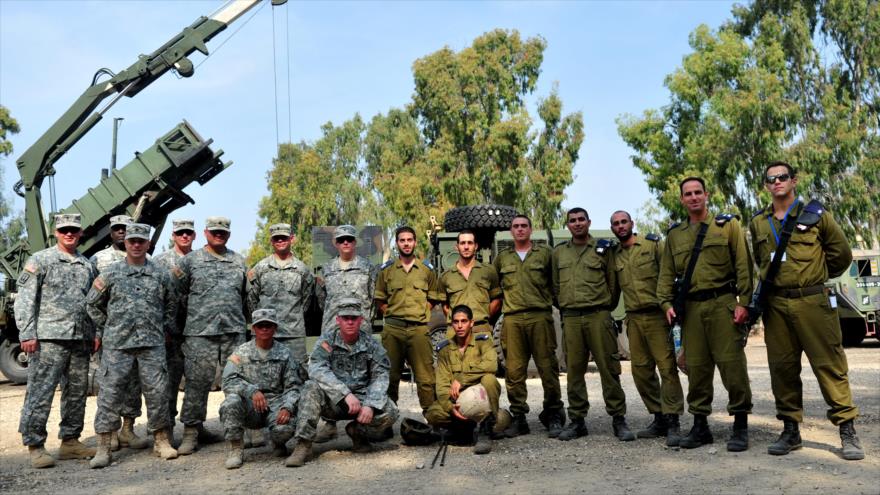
x=799, y=292
x=397, y=322
x=706, y=294
x=643, y=311
x=481, y=322
x=583, y=311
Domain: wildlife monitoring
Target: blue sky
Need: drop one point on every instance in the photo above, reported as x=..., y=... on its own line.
x=608, y=59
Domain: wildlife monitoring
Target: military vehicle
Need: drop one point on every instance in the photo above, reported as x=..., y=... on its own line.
x=858, y=297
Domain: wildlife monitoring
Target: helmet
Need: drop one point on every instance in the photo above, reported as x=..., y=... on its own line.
x=414, y=432
x=473, y=403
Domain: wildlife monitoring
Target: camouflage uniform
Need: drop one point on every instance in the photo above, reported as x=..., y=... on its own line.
x=50, y=307
x=335, y=283
x=174, y=344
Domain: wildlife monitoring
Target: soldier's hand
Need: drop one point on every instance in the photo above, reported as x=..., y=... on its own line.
x=283, y=417
x=670, y=316
x=740, y=315
x=97, y=345
x=354, y=405
x=454, y=389
x=365, y=417
x=260, y=403
x=456, y=411
x=30, y=345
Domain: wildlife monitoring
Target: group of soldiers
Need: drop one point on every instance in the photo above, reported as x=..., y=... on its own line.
x=186, y=311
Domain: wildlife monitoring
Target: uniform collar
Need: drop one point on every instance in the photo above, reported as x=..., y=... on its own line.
x=275, y=263
x=477, y=264
x=399, y=264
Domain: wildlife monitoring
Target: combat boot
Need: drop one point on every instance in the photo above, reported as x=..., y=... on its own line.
x=128, y=438
x=301, y=453
x=656, y=429
x=72, y=448
x=114, y=441
x=326, y=431
x=789, y=439
x=483, y=436
x=673, y=430
x=519, y=426
x=699, y=435
x=190, y=441
x=576, y=428
x=206, y=437
x=233, y=454
x=102, y=456
x=555, y=420
x=739, y=440
x=359, y=441
x=502, y=422
x=621, y=429
x=40, y=458
x=279, y=449
x=852, y=448
x=162, y=445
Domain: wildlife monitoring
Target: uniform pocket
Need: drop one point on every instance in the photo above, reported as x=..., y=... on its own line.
x=804, y=246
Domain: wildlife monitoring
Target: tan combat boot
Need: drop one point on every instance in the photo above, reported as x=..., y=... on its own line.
x=72, y=448
x=233, y=454
x=128, y=438
x=162, y=445
x=190, y=441
x=39, y=457
x=102, y=457
x=114, y=441
x=301, y=453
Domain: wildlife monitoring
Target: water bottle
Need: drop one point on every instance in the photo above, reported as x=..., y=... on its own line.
x=676, y=338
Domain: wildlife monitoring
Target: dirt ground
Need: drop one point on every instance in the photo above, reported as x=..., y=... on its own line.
x=533, y=463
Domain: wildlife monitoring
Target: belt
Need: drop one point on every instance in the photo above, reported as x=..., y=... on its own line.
x=800, y=292
x=397, y=322
x=481, y=322
x=706, y=294
x=583, y=311
x=649, y=309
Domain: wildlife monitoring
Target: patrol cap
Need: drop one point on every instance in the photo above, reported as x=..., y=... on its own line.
x=68, y=220
x=218, y=223
x=137, y=231
x=350, y=307
x=279, y=229
x=183, y=224
x=261, y=315
x=120, y=220
x=345, y=231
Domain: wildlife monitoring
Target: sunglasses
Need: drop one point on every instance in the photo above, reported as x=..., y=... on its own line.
x=69, y=230
x=189, y=233
x=770, y=179
x=280, y=238
x=219, y=233
x=343, y=240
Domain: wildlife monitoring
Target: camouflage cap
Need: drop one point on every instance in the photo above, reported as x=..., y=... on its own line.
x=120, y=220
x=68, y=220
x=260, y=315
x=183, y=224
x=137, y=231
x=218, y=223
x=279, y=229
x=350, y=306
x=345, y=231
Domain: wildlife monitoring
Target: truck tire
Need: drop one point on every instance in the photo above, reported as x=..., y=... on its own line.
x=496, y=342
x=13, y=362
x=493, y=217
x=853, y=331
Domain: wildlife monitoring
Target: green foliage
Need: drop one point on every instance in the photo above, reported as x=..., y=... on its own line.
x=12, y=228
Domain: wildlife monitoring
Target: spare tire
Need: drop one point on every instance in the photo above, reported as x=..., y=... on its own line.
x=494, y=217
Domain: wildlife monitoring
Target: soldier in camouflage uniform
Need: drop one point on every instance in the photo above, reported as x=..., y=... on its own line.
x=262, y=381
x=283, y=282
x=213, y=282
x=54, y=329
x=472, y=284
x=348, y=373
x=116, y=251
x=134, y=306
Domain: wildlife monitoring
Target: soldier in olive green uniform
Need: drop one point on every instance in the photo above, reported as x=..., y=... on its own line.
x=527, y=329
x=720, y=288
x=586, y=288
x=799, y=314
x=405, y=291
x=638, y=264
x=472, y=284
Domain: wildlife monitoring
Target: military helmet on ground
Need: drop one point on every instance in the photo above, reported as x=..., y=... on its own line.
x=414, y=432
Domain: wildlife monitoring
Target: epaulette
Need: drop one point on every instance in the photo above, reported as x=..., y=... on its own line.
x=810, y=215
x=386, y=264
x=441, y=345
x=723, y=218
x=428, y=264
x=672, y=226
x=653, y=237
x=603, y=245
x=482, y=336
x=759, y=213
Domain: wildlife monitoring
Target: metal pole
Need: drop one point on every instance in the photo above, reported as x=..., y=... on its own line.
x=116, y=121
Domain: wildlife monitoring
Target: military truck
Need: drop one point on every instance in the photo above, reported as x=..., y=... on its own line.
x=858, y=297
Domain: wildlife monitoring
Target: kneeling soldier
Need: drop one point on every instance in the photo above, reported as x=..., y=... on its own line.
x=262, y=382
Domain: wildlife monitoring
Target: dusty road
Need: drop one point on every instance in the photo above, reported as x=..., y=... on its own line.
x=597, y=463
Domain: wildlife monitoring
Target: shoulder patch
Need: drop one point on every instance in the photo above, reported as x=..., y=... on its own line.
x=428, y=264
x=326, y=346
x=251, y=274
x=235, y=359
x=31, y=267
x=386, y=264
x=99, y=283
x=482, y=336
x=653, y=237
x=441, y=345
x=602, y=245
x=723, y=218
x=672, y=226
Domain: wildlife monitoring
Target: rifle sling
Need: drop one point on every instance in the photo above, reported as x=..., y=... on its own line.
x=692, y=263
x=776, y=262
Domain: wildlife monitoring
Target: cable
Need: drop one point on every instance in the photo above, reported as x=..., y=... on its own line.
x=275, y=79
x=289, y=112
x=220, y=45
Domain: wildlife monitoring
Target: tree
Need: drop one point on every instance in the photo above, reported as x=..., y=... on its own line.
x=11, y=225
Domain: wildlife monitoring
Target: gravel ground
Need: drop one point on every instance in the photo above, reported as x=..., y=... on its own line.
x=533, y=463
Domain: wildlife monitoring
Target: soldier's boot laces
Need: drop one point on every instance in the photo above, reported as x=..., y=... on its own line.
x=519, y=426
x=789, y=439
x=162, y=445
x=656, y=429
x=72, y=448
x=576, y=428
x=739, y=440
x=502, y=422
x=40, y=458
x=114, y=441
x=102, y=457
x=482, y=436
x=359, y=441
x=673, y=430
x=699, y=435
x=326, y=431
x=852, y=448
x=206, y=437
x=233, y=454
x=190, y=441
x=301, y=453
x=128, y=438
x=621, y=429
x=254, y=438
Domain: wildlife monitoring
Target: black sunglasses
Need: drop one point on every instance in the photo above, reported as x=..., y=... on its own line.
x=770, y=179
x=69, y=230
x=343, y=240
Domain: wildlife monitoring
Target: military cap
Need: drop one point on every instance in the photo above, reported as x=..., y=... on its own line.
x=350, y=306
x=279, y=229
x=68, y=220
x=120, y=220
x=137, y=231
x=345, y=231
x=178, y=225
x=218, y=223
x=260, y=315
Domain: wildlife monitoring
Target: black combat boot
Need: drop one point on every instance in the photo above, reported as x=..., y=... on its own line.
x=553, y=421
x=789, y=440
x=519, y=426
x=621, y=429
x=482, y=436
x=739, y=440
x=576, y=428
x=673, y=430
x=699, y=434
x=657, y=428
x=852, y=448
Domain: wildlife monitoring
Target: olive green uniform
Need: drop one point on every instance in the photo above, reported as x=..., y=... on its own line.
x=476, y=292
x=586, y=288
x=722, y=279
x=799, y=316
x=527, y=329
x=650, y=347
x=409, y=296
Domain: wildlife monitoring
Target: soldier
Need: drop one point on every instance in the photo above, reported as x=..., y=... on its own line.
x=183, y=233
x=720, y=288
x=405, y=292
x=262, y=382
x=465, y=360
x=472, y=284
x=348, y=373
x=54, y=329
x=283, y=282
x=213, y=282
x=527, y=330
x=116, y=251
x=638, y=264
x=133, y=306
x=800, y=315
